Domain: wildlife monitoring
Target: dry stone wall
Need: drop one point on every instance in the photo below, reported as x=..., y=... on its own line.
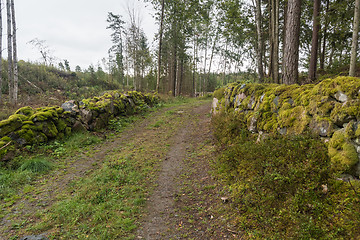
x=330, y=109
x=30, y=126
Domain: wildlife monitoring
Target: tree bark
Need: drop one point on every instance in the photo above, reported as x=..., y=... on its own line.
x=291, y=51
x=323, y=52
x=15, y=63
x=314, y=41
x=355, y=37
x=160, y=45
x=10, y=57
x=1, y=36
x=276, y=44
x=259, y=42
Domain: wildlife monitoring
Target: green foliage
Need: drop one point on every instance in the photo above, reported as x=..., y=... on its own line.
x=36, y=165
x=282, y=186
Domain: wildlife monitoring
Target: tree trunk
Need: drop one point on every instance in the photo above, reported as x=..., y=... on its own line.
x=10, y=57
x=355, y=39
x=1, y=36
x=259, y=42
x=160, y=45
x=15, y=63
x=322, y=56
x=314, y=41
x=291, y=51
x=276, y=43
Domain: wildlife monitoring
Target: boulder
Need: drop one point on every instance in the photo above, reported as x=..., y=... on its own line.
x=70, y=106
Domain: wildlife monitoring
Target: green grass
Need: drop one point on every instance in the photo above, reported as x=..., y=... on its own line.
x=277, y=186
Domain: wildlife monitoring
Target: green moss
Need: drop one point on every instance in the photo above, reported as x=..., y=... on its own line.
x=357, y=132
x=67, y=131
x=350, y=130
x=44, y=114
x=48, y=128
x=342, y=153
x=27, y=111
x=294, y=119
x=26, y=134
x=11, y=124
x=5, y=139
x=219, y=93
x=61, y=125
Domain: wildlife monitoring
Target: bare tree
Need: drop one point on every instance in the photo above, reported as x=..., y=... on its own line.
x=15, y=62
x=355, y=38
x=10, y=57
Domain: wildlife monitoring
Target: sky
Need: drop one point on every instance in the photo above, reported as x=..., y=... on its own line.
x=74, y=30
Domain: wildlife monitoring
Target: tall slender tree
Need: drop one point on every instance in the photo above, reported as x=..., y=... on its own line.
x=260, y=51
x=314, y=41
x=15, y=61
x=10, y=56
x=355, y=36
x=160, y=44
x=291, y=49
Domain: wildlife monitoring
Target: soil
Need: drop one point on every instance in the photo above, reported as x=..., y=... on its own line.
x=187, y=202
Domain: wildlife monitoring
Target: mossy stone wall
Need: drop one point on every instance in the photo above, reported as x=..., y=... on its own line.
x=330, y=109
x=28, y=126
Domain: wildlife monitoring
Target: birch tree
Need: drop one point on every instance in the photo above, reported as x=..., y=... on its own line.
x=10, y=54
x=15, y=61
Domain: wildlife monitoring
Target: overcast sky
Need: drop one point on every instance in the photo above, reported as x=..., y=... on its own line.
x=74, y=29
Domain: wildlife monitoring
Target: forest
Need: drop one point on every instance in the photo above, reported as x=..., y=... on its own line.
x=200, y=46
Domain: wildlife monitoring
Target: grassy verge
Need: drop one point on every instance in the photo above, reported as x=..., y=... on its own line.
x=283, y=187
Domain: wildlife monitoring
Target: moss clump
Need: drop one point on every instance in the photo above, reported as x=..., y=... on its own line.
x=27, y=111
x=294, y=119
x=44, y=114
x=48, y=128
x=219, y=93
x=342, y=153
x=11, y=124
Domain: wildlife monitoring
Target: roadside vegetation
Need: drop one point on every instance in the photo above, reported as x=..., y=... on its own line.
x=282, y=187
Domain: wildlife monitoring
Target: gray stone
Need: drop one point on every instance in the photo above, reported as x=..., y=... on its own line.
x=251, y=104
x=276, y=101
x=242, y=86
x=214, y=106
x=34, y=237
x=291, y=101
x=86, y=115
x=262, y=98
x=70, y=106
x=322, y=127
x=238, y=99
x=252, y=125
x=283, y=131
x=78, y=127
x=341, y=97
x=358, y=149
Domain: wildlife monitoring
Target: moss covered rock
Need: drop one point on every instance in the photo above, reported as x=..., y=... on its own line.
x=332, y=106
